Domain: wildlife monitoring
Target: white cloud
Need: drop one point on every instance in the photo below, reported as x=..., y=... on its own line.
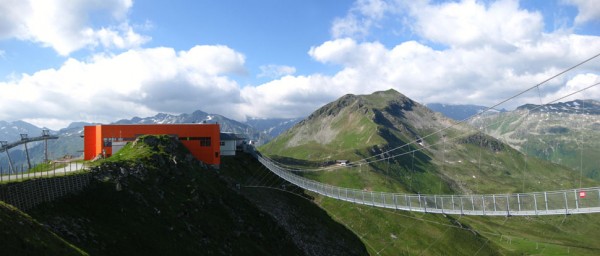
x=363, y=15
x=452, y=76
x=64, y=25
x=588, y=10
x=456, y=75
x=213, y=60
x=472, y=24
x=575, y=84
x=289, y=96
x=493, y=50
x=347, y=52
x=276, y=71
x=349, y=26
x=134, y=83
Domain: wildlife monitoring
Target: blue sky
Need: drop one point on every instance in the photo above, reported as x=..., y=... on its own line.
x=266, y=32
x=103, y=60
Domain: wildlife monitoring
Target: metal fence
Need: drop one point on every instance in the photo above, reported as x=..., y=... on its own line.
x=573, y=201
x=52, y=170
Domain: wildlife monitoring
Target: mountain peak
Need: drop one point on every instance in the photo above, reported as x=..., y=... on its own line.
x=377, y=100
x=357, y=121
x=389, y=92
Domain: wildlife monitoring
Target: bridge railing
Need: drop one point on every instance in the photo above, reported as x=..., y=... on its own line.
x=573, y=201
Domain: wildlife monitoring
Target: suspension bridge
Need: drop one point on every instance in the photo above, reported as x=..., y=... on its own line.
x=556, y=202
x=560, y=202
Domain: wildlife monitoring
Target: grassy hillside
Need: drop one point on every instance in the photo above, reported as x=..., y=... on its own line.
x=332, y=133
x=569, y=139
x=389, y=232
x=311, y=227
x=458, y=160
x=22, y=235
x=154, y=198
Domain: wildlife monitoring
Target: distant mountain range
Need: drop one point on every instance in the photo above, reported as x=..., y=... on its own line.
x=458, y=112
x=70, y=142
x=553, y=132
x=588, y=107
x=273, y=126
x=462, y=112
x=11, y=131
x=566, y=133
x=263, y=130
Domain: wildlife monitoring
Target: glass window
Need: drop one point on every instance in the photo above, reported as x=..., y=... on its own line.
x=107, y=142
x=205, y=141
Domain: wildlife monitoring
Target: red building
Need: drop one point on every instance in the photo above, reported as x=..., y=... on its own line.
x=202, y=140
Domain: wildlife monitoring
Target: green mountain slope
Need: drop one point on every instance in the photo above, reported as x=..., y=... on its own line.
x=311, y=228
x=22, y=235
x=459, y=160
x=558, y=133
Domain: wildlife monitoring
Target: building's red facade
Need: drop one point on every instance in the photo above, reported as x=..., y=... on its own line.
x=202, y=140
